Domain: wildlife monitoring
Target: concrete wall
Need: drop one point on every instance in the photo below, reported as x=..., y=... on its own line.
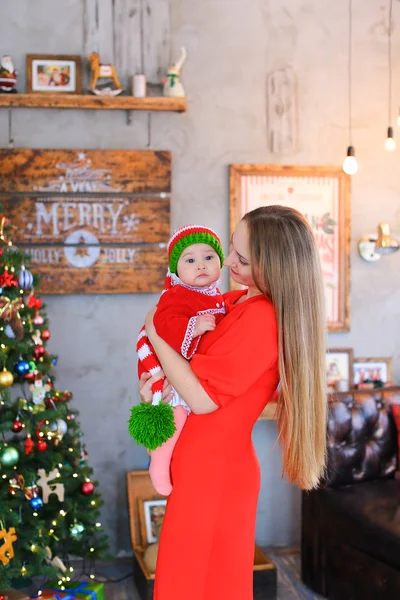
x=232, y=46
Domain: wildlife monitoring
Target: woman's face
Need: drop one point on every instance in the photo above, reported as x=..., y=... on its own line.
x=238, y=259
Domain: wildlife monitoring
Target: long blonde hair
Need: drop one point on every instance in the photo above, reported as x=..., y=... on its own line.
x=286, y=268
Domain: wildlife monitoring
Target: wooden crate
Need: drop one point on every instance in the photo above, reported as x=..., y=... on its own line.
x=140, y=487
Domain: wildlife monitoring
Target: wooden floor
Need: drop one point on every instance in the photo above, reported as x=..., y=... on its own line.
x=287, y=562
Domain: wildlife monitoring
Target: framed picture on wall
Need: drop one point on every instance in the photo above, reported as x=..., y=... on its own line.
x=53, y=73
x=339, y=369
x=372, y=372
x=322, y=194
x=151, y=515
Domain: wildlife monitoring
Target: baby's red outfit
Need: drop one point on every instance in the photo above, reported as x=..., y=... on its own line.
x=175, y=322
x=177, y=312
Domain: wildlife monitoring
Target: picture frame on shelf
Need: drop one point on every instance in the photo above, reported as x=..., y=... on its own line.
x=151, y=515
x=372, y=372
x=322, y=195
x=339, y=369
x=53, y=73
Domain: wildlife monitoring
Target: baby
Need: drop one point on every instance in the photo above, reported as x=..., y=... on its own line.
x=190, y=305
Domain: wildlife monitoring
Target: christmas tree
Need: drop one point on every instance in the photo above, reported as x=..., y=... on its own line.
x=49, y=506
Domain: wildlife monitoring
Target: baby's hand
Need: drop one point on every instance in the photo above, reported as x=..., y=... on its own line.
x=204, y=323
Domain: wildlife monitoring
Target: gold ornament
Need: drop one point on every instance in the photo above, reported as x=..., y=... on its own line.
x=6, y=378
x=2, y=234
x=6, y=548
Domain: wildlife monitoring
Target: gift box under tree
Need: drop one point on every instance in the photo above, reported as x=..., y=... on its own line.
x=76, y=590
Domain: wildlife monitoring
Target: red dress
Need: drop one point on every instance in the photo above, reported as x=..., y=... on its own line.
x=207, y=540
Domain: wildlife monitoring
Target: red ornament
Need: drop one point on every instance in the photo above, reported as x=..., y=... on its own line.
x=7, y=279
x=2, y=597
x=46, y=335
x=17, y=426
x=34, y=302
x=31, y=376
x=87, y=488
x=41, y=445
x=38, y=351
x=28, y=445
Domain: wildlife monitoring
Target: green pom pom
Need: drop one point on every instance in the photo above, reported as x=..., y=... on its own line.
x=151, y=425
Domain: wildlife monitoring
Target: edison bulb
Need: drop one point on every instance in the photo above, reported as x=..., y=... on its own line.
x=390, y=144
x=350, y=165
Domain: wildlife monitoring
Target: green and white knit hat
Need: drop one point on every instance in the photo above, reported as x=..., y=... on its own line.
x=192, y=234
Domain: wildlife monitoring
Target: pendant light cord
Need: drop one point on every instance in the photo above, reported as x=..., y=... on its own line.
x=349, y=69
x=390, y=63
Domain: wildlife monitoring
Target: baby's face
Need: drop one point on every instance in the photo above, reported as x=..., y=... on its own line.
x=199, y=265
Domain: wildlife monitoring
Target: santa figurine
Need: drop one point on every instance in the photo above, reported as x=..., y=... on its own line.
x=8, y=75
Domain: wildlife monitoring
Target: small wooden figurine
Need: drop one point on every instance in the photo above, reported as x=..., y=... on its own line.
x=172, y=84
x=8, y=75
x=100, y=71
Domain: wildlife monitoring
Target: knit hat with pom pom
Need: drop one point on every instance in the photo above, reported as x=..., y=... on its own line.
x=192, y=234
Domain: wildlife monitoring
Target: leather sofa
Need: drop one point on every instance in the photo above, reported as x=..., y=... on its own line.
x=351, y=526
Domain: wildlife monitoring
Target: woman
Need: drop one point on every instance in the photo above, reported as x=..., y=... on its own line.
x=273, y=332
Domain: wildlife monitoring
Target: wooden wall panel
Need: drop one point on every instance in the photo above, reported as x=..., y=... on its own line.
x=98, y=29
x=93, y=221
x=135, y=35
x=85, y=171
x=111, y=270
x=122, y=220
x=156, y=39
x=128, y=34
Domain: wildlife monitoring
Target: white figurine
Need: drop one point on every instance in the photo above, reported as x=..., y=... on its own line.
x=172, y=84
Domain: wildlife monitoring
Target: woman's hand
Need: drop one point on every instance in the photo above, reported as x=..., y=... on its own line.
x=145, y=383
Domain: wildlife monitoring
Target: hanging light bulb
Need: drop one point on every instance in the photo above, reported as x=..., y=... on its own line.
x=350, y=164
x=398, y=118
x=390, y=143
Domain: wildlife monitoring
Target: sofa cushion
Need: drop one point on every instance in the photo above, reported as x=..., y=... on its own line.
x=365, y=516
x=362, y=437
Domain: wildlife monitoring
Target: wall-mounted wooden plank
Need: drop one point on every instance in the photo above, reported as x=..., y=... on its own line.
x=156, y=38
x=89, y=101
x=99, y=270
x=108, y=219
x=127, y=36
x=85, y=171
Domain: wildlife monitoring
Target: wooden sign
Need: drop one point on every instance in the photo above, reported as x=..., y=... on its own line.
x=93, y=221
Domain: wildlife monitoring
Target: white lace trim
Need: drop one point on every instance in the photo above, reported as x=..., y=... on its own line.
x=188, y=339
x=213, y=311
x=178, y=401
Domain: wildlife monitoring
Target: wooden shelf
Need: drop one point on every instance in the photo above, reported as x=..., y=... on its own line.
x=269, y=412
x=90, y=101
